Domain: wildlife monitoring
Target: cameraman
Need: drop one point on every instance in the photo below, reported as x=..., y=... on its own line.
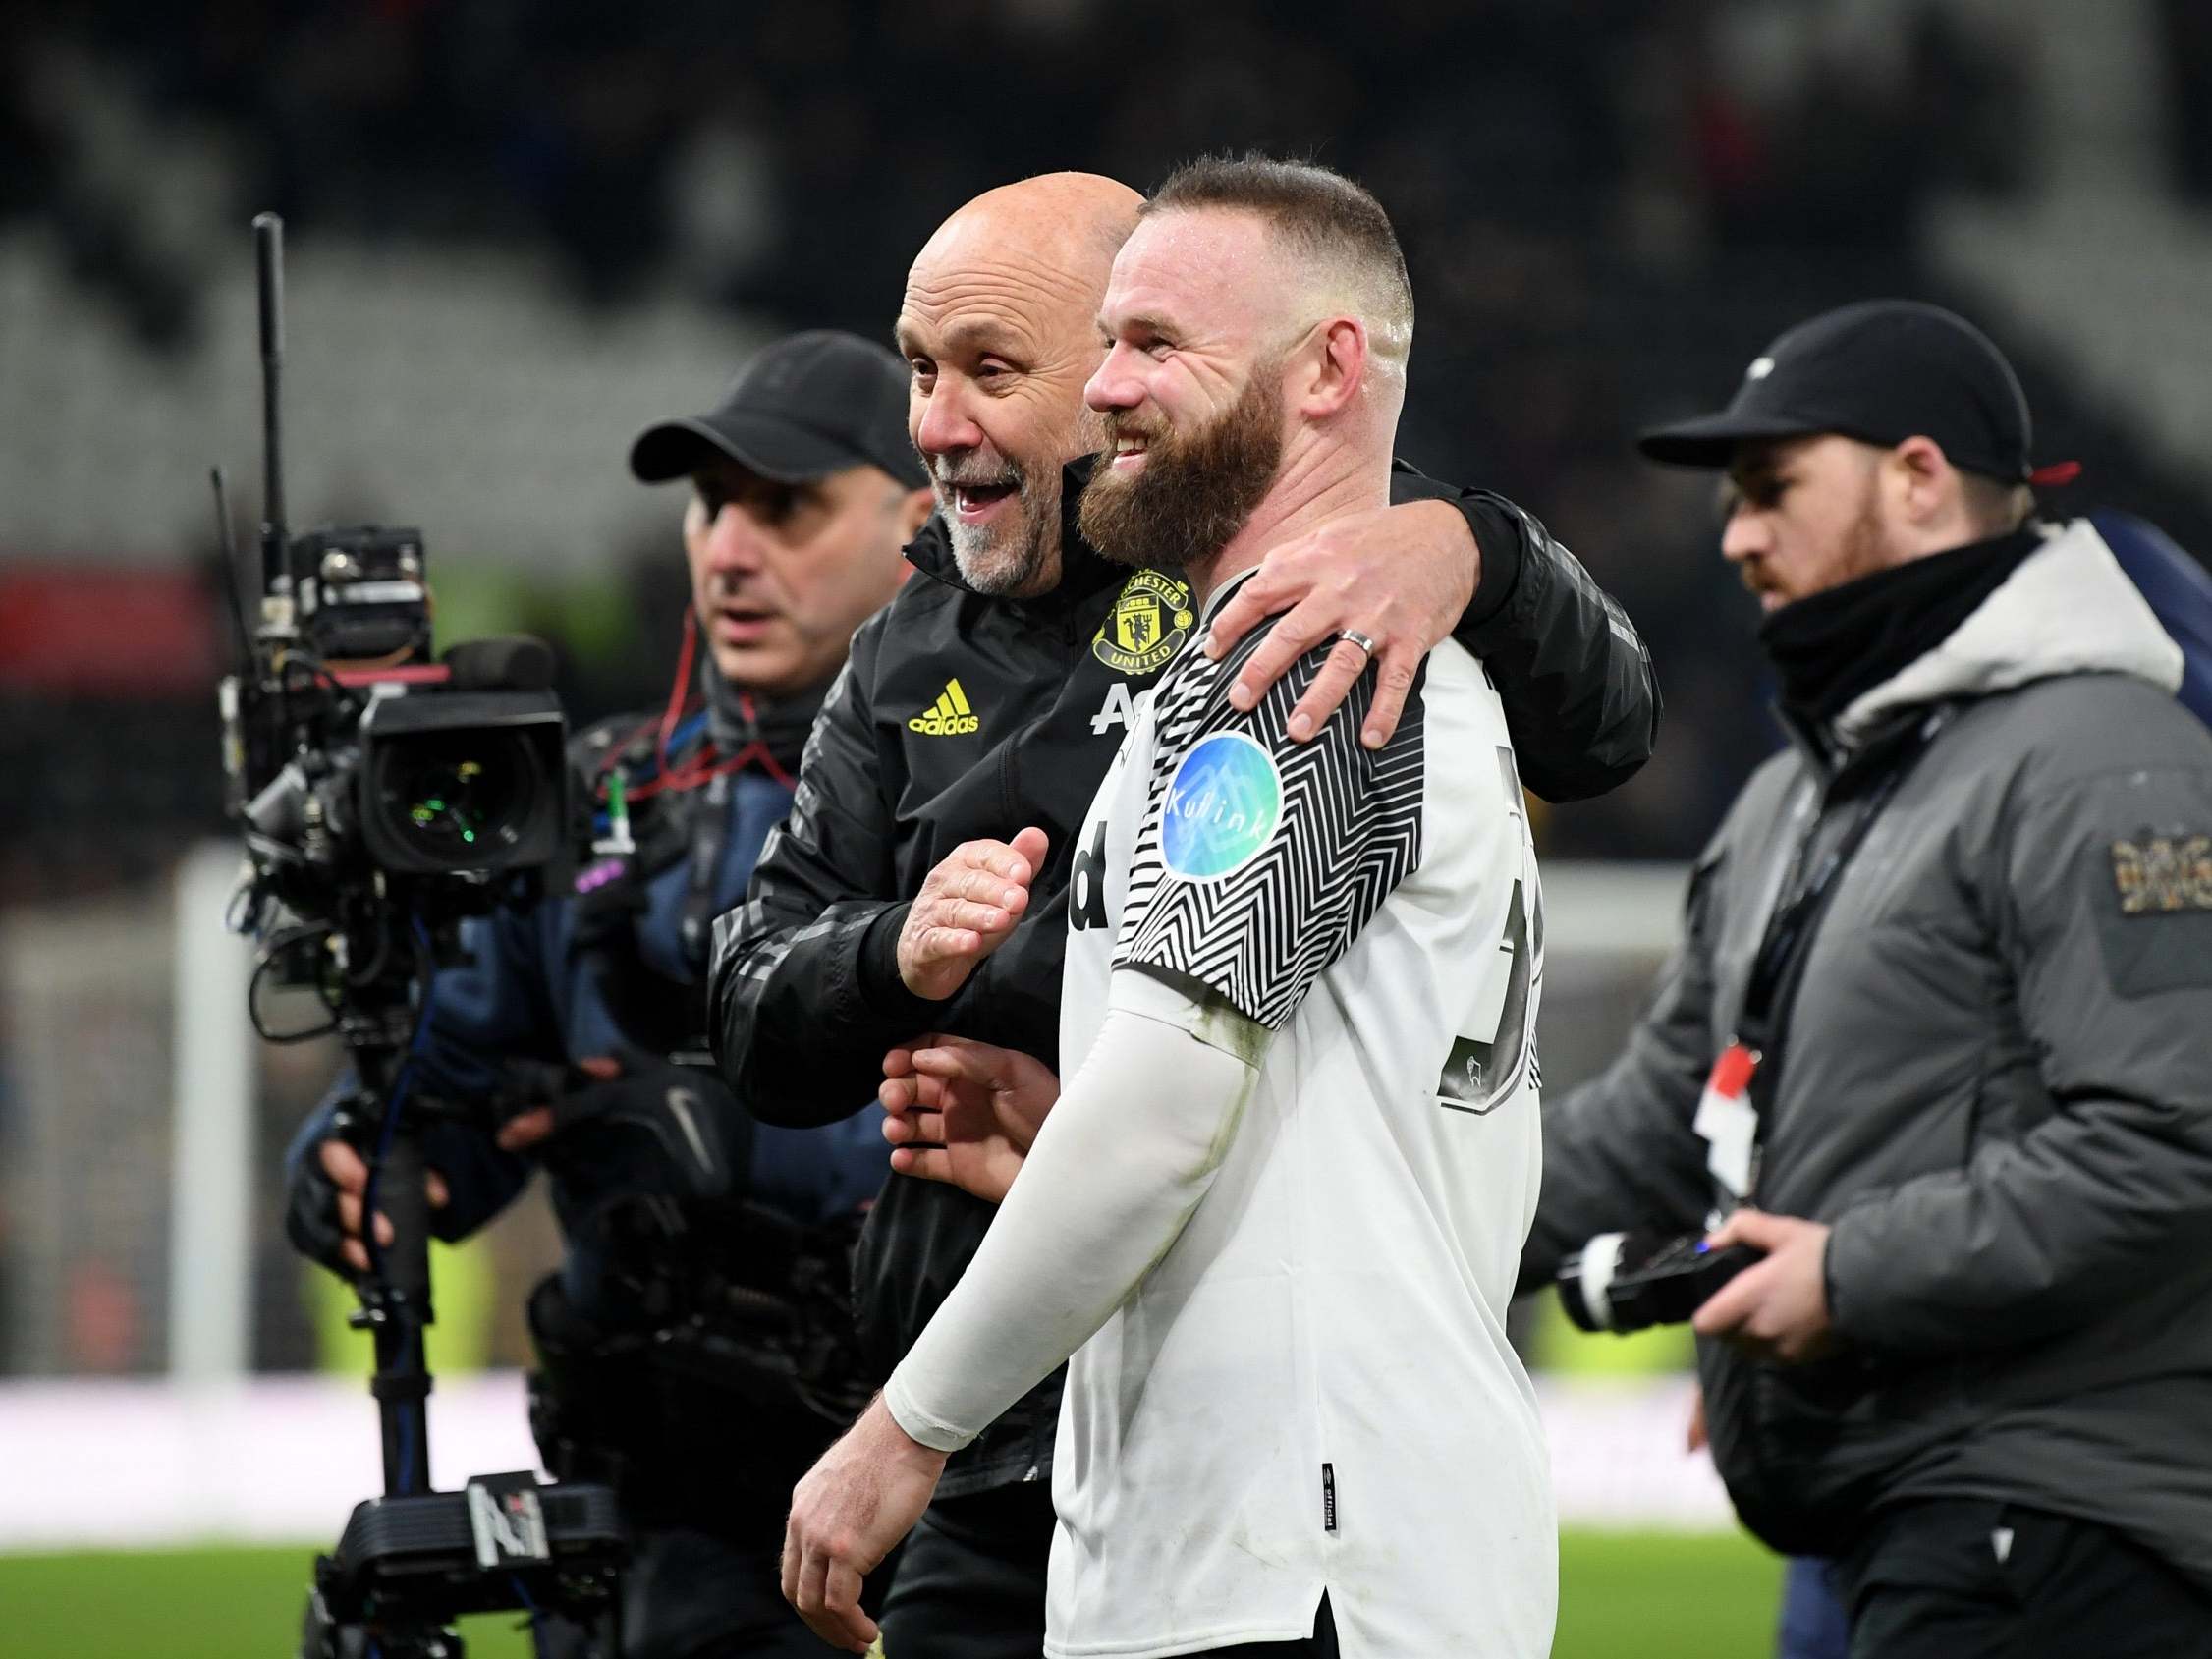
x=679, y=1213
x=1936, y=1034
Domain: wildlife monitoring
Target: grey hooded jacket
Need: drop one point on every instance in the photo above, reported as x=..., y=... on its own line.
x=1995, y=1084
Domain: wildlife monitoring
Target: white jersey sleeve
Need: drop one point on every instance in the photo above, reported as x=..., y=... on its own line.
x=1260, y=857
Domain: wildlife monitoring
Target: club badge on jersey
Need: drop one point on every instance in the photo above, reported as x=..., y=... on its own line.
x=1147, y=624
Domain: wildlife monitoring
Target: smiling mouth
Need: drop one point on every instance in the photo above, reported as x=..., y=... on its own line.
x=971, y=499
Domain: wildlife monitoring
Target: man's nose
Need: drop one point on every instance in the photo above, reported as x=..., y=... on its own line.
x=944, y=427
x=1115, y=385
x=1746, y=536
x=734, y=541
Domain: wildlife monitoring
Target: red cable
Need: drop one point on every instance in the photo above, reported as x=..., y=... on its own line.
x=683, y=683
x=705, y=768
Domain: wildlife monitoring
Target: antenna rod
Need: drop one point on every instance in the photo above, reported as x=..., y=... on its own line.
x=226, y=538
x=268, y=248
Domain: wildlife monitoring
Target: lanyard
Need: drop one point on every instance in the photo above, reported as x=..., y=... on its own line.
x=1727, y=1118
x=1789, y=928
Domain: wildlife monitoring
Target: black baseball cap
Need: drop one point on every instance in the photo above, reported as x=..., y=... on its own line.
x=1881, y=371
x=811, y=404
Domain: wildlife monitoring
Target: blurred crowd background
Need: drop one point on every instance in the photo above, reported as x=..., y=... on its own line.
x=521, y=231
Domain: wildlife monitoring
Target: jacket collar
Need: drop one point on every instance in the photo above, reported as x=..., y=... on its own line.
x=2068, y=609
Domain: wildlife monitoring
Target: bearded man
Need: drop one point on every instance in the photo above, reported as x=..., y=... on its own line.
x=1276, y=1212
x=1933, y=1047
x=924, y=881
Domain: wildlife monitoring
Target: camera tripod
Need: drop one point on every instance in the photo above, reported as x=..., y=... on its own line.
x=413, y=1560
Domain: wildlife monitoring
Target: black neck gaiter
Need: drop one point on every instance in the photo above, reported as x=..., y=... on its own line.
x=737, y=718
x=1833, y=647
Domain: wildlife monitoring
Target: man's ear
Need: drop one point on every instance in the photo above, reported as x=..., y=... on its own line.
x=1929, y=484
x=1340, y=367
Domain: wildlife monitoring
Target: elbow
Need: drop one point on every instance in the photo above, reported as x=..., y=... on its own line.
x=1586, y=783
x=758, y=1084
x=788, y=1087
x=780, y=1110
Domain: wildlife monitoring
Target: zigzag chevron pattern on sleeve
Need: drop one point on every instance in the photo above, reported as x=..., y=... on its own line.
x=1349, y=830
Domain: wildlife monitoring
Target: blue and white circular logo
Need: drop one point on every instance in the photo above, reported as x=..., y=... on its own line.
x=1223, y=806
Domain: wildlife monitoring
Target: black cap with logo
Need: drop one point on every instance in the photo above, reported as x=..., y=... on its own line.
x=1881, y=371
x=809, y=406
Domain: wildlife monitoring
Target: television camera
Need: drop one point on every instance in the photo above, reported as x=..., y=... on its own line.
x=384, y=795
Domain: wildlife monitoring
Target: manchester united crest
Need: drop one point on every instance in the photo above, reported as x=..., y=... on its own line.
x=1147, y=624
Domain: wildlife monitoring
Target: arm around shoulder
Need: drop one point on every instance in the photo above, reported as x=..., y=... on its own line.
x=1580, y=694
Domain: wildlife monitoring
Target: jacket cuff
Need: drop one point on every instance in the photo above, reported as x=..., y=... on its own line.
x=882, y=991
x=1499, y=540
x=1837, y=1235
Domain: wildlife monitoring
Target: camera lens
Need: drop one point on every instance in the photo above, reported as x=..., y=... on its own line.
x=456, y=800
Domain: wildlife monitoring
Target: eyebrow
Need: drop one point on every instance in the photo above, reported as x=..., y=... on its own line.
x=1140, y=323
x=981, y=335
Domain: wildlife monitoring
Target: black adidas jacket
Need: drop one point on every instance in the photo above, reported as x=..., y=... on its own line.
x=960, y=716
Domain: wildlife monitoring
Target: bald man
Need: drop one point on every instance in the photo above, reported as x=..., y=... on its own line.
x=926, y=877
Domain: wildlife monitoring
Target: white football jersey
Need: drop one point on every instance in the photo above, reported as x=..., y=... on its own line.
x=1312, y=1391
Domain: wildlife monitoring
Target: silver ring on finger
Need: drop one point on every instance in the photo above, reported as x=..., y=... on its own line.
x=1364, y=642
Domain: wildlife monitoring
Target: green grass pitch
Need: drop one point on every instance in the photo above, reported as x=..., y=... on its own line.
x=1622, y=1596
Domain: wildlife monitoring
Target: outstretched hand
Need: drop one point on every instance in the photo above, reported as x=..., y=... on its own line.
x=1403, y=575
x=963, y=1112
x=966, y=909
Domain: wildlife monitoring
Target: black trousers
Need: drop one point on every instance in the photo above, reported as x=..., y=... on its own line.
x=694, y=1596
x=970, y=1579
x=1962, y=1579
x=971, y=1585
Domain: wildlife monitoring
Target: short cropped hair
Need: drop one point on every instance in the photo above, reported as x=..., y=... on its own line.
x=1993, y=506
x=1320, y=218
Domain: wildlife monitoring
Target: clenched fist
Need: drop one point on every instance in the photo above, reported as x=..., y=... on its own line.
x=966, y=910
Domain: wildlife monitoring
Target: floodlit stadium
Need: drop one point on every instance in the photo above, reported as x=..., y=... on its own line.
x=513, y=238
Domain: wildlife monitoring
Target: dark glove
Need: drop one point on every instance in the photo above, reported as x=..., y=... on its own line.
x=311, y=1211
x=640, y=1163
x=658, y=1131
x=316, y=1196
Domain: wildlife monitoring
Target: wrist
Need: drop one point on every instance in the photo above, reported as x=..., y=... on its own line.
x=894, y=1436
x=882, y=986
x=908, y=1427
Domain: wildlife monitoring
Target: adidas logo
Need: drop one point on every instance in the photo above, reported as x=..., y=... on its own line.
x=949, y=717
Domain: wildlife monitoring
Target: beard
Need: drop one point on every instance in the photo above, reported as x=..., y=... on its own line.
x=1010, y=554
x=1865, y=545
x=1859, y=547
x=1194, y=491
